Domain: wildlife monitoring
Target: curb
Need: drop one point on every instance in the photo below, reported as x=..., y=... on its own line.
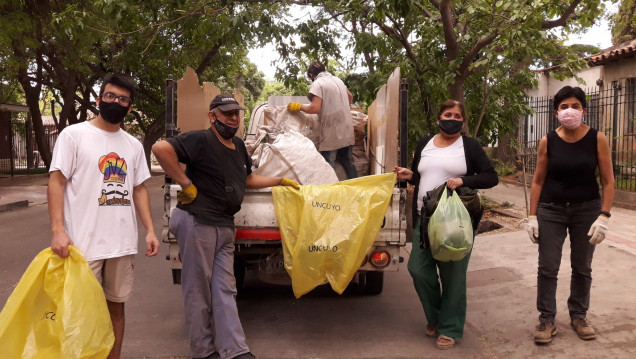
x=505, y=212
x=6, y=207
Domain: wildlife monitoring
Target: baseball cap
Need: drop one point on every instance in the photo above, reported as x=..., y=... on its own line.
x=225, y=103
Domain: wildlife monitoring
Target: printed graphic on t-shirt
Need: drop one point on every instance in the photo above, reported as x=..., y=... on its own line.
x=114, y=170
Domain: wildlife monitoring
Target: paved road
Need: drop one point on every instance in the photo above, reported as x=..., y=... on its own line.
x=500, y=319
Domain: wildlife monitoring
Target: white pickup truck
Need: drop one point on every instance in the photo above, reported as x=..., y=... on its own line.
x=258, y=240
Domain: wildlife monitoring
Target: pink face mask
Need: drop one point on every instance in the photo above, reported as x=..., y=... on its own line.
x=570, y=118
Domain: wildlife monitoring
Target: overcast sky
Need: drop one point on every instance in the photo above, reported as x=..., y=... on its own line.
x=599, y=35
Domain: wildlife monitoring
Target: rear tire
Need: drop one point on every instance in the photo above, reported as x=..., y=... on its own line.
x=176, y=276
x=239, y=272
x=373, y=283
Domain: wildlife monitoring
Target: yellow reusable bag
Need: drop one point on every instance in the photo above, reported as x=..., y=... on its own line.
x=327, y=230
x=57, y=310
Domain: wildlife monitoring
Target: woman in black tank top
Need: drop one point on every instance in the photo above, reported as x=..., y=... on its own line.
x=565, y=199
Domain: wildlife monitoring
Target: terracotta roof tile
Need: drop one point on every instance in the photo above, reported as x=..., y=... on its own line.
x=624, y=50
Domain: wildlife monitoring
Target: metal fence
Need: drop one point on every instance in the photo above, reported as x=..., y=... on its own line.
x=19, y=152
x=611, y=110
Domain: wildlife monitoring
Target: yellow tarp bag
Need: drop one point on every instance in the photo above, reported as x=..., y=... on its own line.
x=57, y=310
x=327, y=230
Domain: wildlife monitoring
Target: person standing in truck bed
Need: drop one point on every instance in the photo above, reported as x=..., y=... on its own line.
x=331, y=100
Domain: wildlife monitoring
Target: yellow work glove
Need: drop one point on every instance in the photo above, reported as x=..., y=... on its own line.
x=187, y=194
x=293, y=106
x=289, y=182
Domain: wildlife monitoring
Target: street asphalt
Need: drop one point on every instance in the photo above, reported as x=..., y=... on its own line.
x=501, y=299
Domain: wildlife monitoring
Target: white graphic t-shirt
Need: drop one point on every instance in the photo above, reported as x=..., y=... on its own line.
x=102, y=168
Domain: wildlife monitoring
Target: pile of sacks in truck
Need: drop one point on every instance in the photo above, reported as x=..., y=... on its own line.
x=286, y=145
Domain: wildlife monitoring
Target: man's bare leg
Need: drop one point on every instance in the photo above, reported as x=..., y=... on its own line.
x=117, y=318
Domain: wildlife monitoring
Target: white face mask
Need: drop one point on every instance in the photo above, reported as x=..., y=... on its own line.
x=570, y=118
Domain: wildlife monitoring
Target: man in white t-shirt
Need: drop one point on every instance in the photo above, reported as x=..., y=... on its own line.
x=331, y=100
x=96, y=186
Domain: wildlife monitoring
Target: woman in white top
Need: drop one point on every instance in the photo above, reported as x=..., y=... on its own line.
x=447, y=157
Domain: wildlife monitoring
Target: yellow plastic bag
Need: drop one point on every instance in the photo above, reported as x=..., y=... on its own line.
x=327, y=230
x=57, y=310
x=450, y=230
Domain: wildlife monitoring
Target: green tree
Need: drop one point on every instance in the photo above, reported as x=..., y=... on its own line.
x=480, y=52
x=66, y=47
x=624, y=23
x=274, y=88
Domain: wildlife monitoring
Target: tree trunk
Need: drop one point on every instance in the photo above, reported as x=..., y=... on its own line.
x=457, y=89
x=68, y=113
x=506, y=151
x=154, y=132
x=32, y=97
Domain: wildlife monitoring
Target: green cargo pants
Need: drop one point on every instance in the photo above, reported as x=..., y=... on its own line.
x=444, y=307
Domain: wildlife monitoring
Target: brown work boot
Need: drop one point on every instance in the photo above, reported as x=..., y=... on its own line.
x=583, y=328
x=544, y=332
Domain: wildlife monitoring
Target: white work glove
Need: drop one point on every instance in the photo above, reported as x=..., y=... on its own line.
x=598, y=231
x=533, y=229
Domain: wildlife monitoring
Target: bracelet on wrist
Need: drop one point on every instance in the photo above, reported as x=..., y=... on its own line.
x=605, y=213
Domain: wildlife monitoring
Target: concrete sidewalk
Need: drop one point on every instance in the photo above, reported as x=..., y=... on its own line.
x=22, y=191
x=622, y=225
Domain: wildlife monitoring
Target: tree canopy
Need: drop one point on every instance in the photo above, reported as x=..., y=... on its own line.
x=624, y=23
x=481, y=52
x=66, y=47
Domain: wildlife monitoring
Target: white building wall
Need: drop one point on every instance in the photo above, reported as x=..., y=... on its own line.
x=549, y=86
x=619, y=70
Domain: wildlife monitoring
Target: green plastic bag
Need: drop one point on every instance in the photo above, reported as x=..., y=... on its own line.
x=450, y=230
x=57, y=310
x=327, y=229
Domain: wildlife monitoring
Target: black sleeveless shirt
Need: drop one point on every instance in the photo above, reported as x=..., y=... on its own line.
x=571, y=170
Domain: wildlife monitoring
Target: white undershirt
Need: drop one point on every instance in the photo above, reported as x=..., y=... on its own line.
x=438, y=165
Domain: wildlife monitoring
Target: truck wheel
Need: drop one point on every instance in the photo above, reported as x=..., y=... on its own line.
x=239, y=272
x=176, y=276
x=374, y=282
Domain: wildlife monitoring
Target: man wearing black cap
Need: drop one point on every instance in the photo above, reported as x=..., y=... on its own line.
x=218, y=169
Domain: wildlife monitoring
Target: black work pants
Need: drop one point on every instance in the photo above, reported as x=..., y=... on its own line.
x=556, y=221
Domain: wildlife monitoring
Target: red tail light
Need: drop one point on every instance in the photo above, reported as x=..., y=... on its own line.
x=380, y=258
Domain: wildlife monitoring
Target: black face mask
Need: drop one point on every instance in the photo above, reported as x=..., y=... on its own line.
x=451, y=127
x=112, y=112
x=224, y=130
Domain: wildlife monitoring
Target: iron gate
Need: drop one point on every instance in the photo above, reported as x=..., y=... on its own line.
x=19, y=152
